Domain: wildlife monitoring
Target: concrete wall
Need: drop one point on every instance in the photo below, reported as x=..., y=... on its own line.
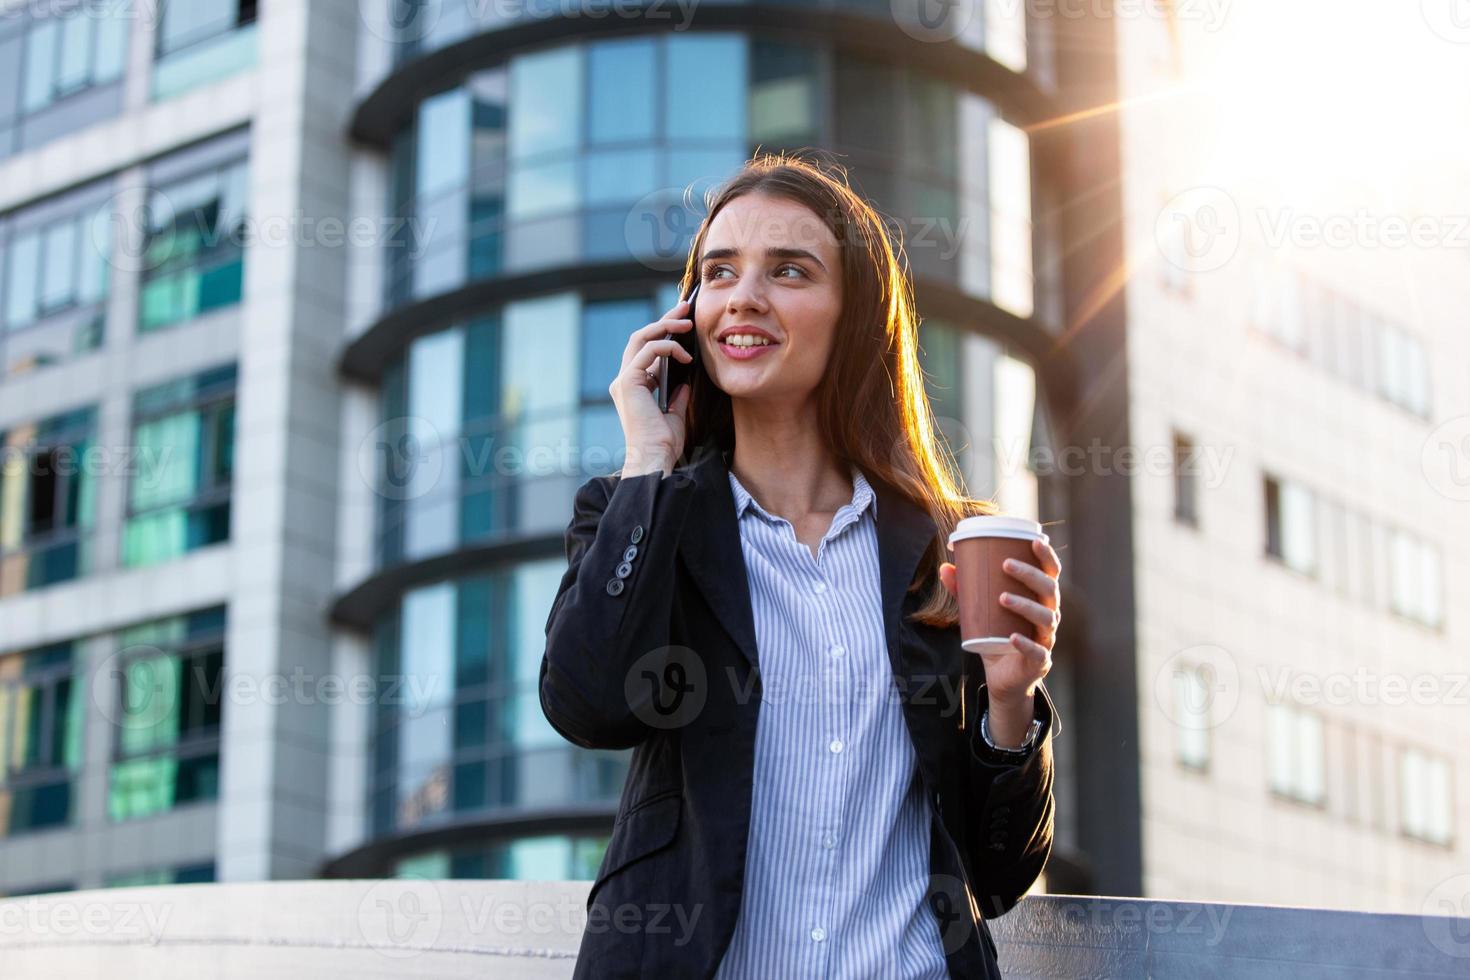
x=405, y=928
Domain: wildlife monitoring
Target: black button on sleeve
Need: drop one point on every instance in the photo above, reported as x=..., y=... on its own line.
x=630, y=553
x=637, y=534
x=624, y=570
x=614, y=586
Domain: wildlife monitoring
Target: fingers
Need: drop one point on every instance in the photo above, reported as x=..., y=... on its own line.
x=635, y=371
x=1045, y=586
x=947, y=577
x=1050, y=563
x=1044, y=616
x=655, y=331
x=1034, y=652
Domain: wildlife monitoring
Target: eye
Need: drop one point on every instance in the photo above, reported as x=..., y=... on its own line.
x=792, y=265
x=711, y=270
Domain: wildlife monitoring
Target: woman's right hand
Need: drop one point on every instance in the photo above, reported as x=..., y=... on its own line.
x=654, y=439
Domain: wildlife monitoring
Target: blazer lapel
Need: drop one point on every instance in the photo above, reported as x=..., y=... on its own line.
x=711, y=550
x=904, y=532
x=712, y=553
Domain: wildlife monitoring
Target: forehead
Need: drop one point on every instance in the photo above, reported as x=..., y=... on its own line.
x=756, y=222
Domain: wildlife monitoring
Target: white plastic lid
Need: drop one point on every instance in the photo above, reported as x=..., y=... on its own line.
x=997, y=527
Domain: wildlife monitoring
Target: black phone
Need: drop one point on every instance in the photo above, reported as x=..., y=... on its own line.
x=673, y=372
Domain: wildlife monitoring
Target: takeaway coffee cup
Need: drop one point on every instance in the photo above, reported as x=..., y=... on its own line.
x=981, y=545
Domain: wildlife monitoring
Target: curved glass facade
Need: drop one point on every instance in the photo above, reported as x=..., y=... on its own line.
x=998, y=28
x=587, y=152
x=464, y=735
x=489, y=426
x=582, y=153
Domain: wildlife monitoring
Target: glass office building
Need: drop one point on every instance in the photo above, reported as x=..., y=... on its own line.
x=234, y=457
x=562, y=182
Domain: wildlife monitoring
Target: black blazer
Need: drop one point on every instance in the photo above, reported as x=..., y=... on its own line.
x=650, y=644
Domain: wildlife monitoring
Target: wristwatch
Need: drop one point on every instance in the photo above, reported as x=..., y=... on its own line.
x=1032, y=731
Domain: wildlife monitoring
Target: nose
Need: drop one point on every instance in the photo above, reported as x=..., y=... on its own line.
x=748, y=293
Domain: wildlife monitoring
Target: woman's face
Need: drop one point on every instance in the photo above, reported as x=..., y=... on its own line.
x=770, y=270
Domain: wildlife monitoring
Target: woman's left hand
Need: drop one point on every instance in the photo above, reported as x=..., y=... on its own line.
x=1014, y=678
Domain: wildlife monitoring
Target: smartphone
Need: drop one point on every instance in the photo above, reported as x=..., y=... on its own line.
x=673, y=372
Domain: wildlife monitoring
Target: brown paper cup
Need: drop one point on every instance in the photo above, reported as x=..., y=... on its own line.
x=980, y=546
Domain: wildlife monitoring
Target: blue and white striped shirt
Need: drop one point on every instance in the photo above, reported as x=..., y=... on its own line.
x=837, y=865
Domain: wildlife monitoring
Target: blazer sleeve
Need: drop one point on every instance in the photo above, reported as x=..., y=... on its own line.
x=602, y=622
x=1012, y=813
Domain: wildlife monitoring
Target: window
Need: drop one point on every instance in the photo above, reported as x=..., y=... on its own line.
x=1192, y=699
x=1005, y=32
x=1186, y=481
x=61, y=67
x=193, y=249
x=1291, y=534
x=201, y=41
x=1010, y=218
x=41, y=714
x=549, y=857
x=48, y=495
x=73, y=50
x=473, y=736
x=1415, y=578
x=54, y=280
x=784, y=108
x=179, y=494
x=1295, y=750
x=168, y=711
x=1425, y=800
x=189, y=874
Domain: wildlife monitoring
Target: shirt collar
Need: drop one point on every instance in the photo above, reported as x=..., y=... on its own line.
x=863, y=497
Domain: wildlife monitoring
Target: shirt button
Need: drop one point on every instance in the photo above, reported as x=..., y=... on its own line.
x=835, y=745
x=837, y=650
x=819, y=933
x=829, y=841
x=819, y=588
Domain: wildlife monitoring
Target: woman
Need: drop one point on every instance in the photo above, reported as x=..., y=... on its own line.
x=773, y=629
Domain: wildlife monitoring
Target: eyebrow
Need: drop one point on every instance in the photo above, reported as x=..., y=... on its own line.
x=775, y=252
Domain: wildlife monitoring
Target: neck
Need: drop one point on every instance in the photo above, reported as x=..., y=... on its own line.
x=781, y=459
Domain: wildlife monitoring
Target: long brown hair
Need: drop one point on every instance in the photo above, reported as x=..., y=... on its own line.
x=873, y=407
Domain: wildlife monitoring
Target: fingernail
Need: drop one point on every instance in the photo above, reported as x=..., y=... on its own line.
x=1006, y=598
x=1010, y=565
